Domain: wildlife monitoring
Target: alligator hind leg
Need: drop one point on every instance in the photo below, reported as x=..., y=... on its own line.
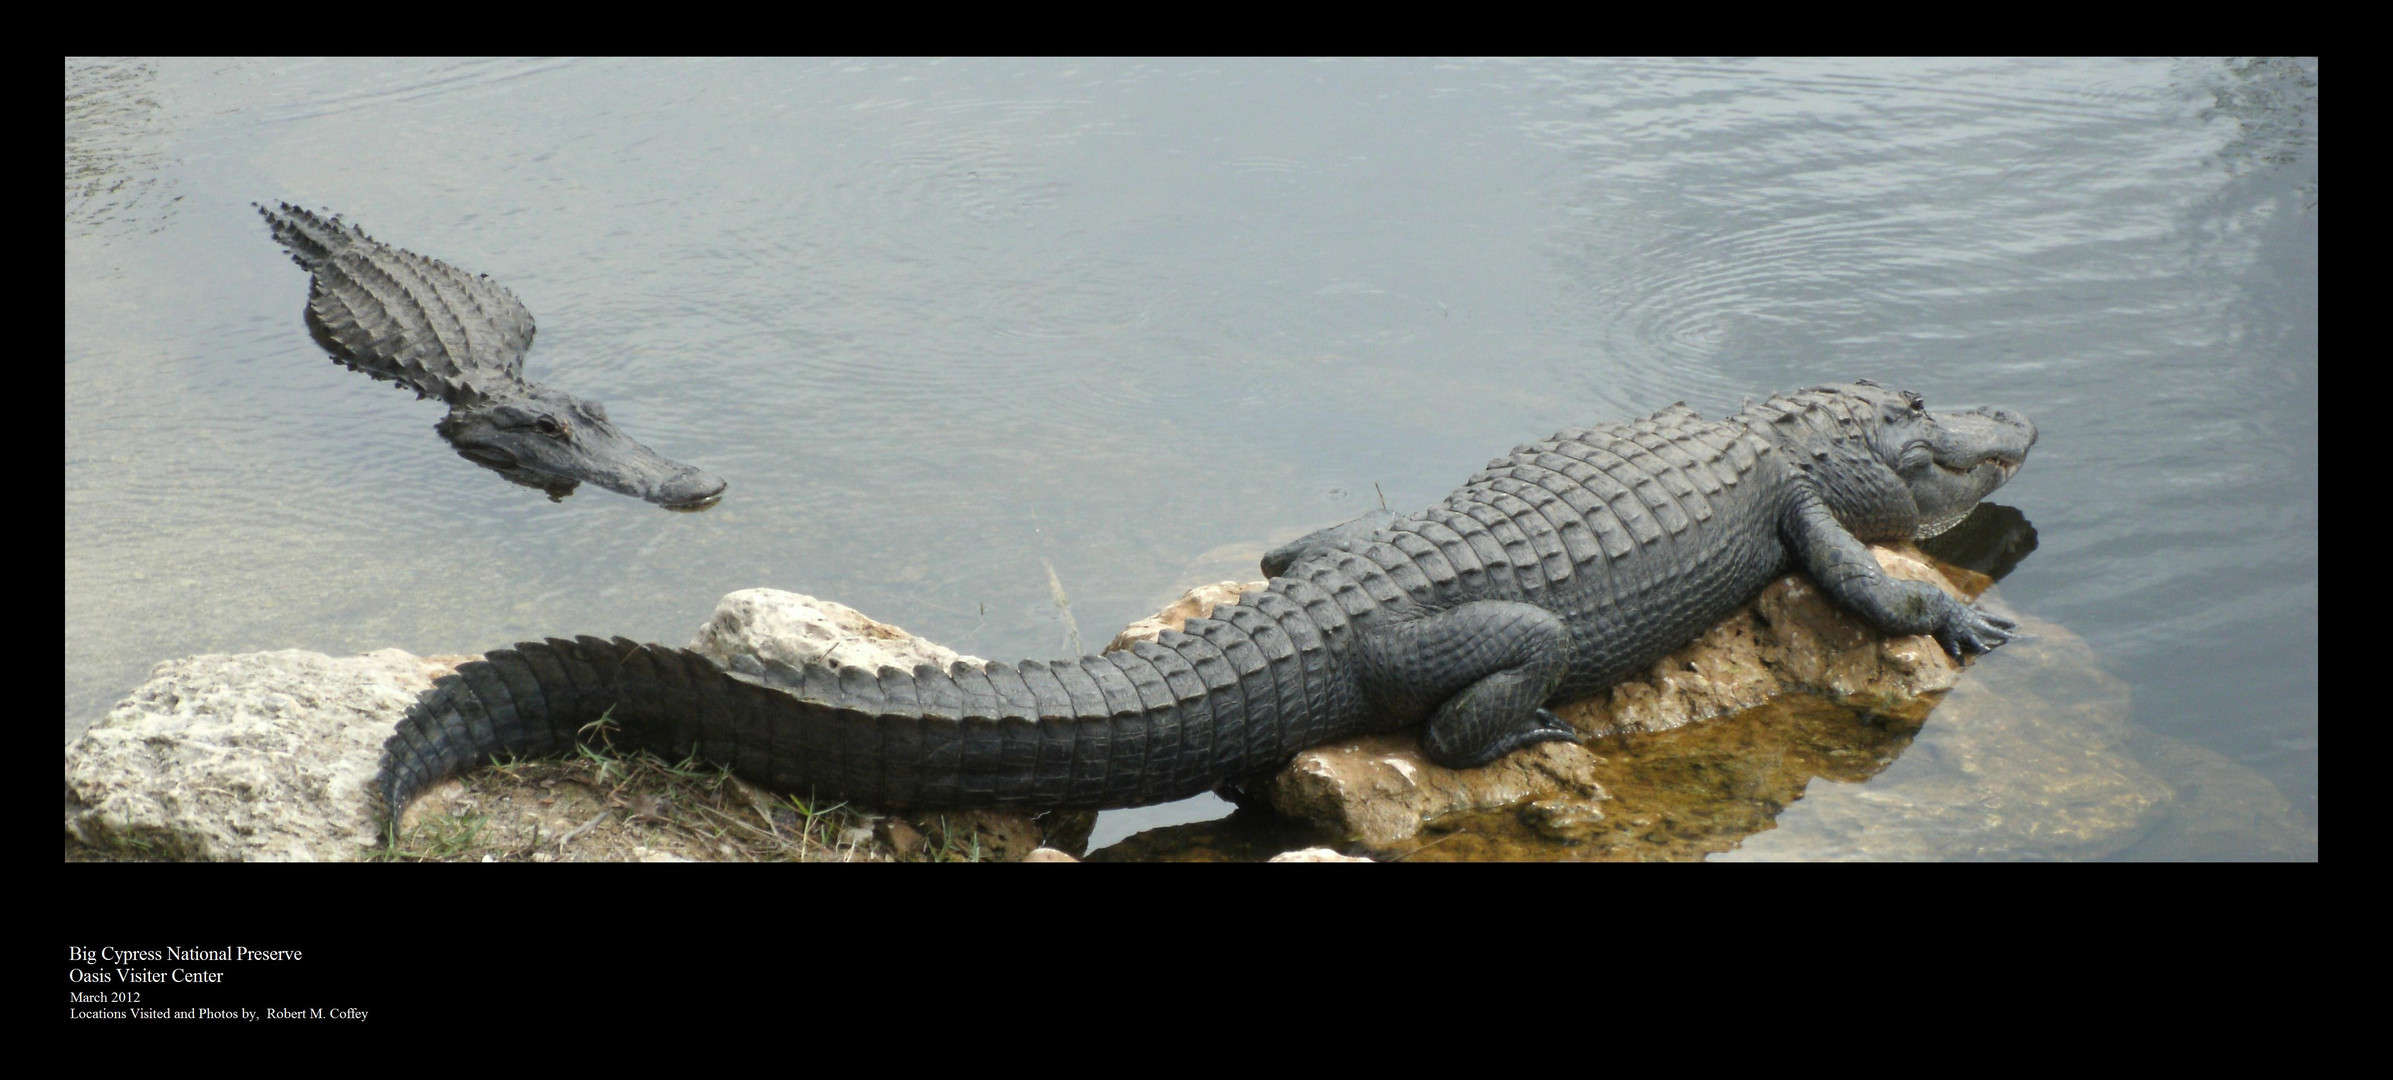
x=1482, y=671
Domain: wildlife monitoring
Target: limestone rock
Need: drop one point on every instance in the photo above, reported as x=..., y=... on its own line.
x=1380, y=788
x=1196, y=603
x=753, y=625
x=1318, y=854
x=257, y=756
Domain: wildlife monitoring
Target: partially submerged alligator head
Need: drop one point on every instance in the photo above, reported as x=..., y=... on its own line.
x=460, y=337
x=1562, y=568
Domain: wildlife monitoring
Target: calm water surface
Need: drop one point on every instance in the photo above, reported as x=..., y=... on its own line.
x=947, y=326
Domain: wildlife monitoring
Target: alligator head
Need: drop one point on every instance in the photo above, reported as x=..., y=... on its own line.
x=1890, y=469
x=552, y=440
x=1950, y=461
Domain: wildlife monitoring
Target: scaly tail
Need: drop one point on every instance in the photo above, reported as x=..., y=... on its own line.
x=1236, y=694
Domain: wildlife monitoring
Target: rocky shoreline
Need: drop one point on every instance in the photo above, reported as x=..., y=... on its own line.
x=271, y=756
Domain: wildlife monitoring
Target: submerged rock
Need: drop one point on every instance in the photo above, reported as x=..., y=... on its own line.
x=2025, y=760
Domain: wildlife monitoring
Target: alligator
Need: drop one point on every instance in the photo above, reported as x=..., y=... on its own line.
x=441, y=332
x=1561, y=568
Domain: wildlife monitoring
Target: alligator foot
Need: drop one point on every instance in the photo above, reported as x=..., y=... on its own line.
x=1966, y=629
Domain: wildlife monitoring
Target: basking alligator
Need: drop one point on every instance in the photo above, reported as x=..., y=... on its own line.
x=461, y=337
x=1556, y=571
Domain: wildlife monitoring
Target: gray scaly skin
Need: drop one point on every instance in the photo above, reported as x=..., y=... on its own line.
x=461, y=337
x=1556, y=571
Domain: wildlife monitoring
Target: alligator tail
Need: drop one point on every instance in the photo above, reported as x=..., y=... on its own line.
x=313, y=240
x=1235, y=694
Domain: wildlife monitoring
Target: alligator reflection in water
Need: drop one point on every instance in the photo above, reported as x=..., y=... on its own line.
x=1991, y=540
x=460, y=337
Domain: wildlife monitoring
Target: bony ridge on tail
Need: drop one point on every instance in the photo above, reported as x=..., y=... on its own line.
x=1559, y=569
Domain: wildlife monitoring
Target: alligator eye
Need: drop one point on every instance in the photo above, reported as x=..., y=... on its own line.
x=1918, y=403
x=548, y=425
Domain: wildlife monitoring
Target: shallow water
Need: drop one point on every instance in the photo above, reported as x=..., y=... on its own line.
x=945, y=326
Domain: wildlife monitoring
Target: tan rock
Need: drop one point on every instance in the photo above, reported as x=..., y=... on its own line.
x=1380, y=788
x=1194, y=604
x=256, y=756
x=1318, y=854
x=792, y=628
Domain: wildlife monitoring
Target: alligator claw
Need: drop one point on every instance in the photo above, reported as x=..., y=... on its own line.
x=1561, y=728
x=1968, y=631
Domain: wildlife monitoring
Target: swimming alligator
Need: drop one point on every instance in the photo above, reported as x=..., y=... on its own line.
x=460, y=337
x=1559, y=569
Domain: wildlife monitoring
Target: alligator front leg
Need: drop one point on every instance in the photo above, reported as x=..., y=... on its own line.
x=1844, y=567
x=1482, y=671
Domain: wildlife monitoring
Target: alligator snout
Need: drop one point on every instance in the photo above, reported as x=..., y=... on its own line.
x=693, y=489
x=2012, y=419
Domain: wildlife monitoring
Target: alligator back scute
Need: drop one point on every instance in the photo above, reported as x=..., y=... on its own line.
x=397, y=315
x=389, y=307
